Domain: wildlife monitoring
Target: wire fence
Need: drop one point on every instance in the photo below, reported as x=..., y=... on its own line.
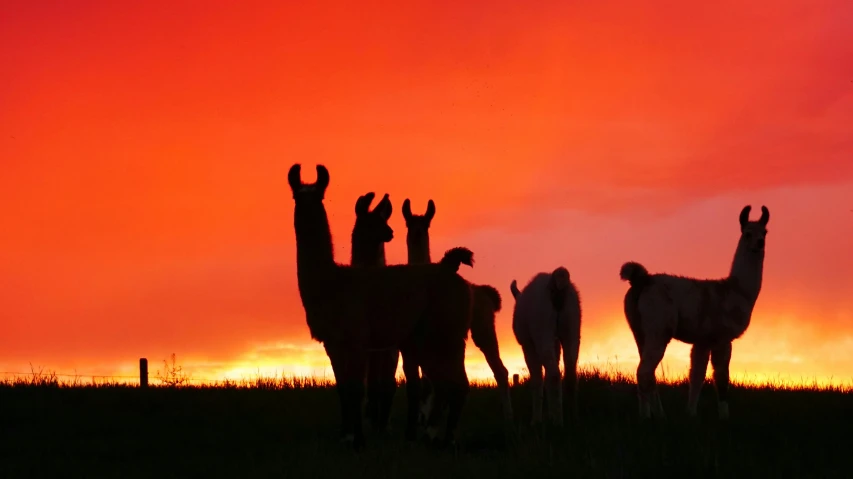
x=182, y=378
x=171, y=376
x=111, y=377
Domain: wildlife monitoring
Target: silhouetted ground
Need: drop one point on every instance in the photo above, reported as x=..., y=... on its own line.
x=275, y=431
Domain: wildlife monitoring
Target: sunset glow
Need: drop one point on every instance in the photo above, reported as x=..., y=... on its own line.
x=144, y=150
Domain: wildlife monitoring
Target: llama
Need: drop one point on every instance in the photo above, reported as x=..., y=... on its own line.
x=487, y=302
x=706, y=313
x=369, y=235
x=422, y=310
x=546, y=318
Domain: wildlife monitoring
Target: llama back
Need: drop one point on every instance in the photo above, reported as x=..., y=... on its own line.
x=709, y=310
x=703, y=310
x=569, y=319
x=399, y=297
x=534, y=311
x=565, y=296
x=395, y=297
x=532, y=308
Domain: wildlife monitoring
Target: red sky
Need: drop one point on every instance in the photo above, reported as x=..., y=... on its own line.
x=144, y=152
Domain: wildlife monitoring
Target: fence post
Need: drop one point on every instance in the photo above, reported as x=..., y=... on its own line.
x=143, y=372
x=515, y=379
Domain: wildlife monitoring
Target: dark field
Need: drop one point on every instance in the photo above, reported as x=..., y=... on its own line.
x=278, y=429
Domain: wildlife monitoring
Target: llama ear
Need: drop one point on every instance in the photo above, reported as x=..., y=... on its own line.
x=362, y=205
x=385, y=208
x=430, y=212
x=744, y=215
x=407, y=209
x=322, y=178
x=294, y=177
x=765, y=216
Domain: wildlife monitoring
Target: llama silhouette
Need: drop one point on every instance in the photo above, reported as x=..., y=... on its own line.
x=424, y=310
x=369, y=235
x=707, y=313
x=487, y=302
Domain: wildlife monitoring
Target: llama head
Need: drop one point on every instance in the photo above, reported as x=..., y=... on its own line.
x=372, y=226
x=753, y=233
x=308, y=192
x=418, y=225
x=417, y=236
x=558, y=287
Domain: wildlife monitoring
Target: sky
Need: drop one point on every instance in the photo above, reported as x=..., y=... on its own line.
x=144, y=151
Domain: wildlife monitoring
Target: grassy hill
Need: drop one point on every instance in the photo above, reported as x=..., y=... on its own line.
x=285, y=428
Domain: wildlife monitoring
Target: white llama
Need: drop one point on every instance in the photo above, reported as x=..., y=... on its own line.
x=707, y=313
x=546, y=318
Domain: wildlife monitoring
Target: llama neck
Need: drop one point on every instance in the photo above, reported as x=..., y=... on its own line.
x=748, y=270
x=365, y=252
x=418, y=248
x=313, y=239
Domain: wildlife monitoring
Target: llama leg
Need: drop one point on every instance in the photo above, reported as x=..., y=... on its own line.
x=501, y=377
x=413, y=391
x=341, y=388
x=721, y=356
x=570, y=392
x=438, y=377
x=486, y=339
x=653, y=352
x=571, y=348
x=698, y=368
x=552, y=387
x=458, y=389
x=352, y=374
x=355, y=377
x=387, y=382
x=427, y=399
x=372, y=406
x=534, y=366
x=394, y=362
x=433, y=408
x=355, y=393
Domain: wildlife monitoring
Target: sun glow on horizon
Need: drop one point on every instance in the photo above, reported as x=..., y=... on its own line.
x=669, y=372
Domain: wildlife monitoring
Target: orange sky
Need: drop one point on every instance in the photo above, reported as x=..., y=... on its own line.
x=144, y=153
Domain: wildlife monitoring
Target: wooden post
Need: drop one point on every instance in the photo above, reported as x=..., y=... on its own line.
x=515, y=380
x=143, y=372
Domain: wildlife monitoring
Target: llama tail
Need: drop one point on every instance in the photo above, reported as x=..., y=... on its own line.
x=493, y=295
x=514, y=288
x=634, y=273
x=456, y=257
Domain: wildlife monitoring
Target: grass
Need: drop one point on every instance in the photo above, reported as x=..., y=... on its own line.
x=288, y=428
